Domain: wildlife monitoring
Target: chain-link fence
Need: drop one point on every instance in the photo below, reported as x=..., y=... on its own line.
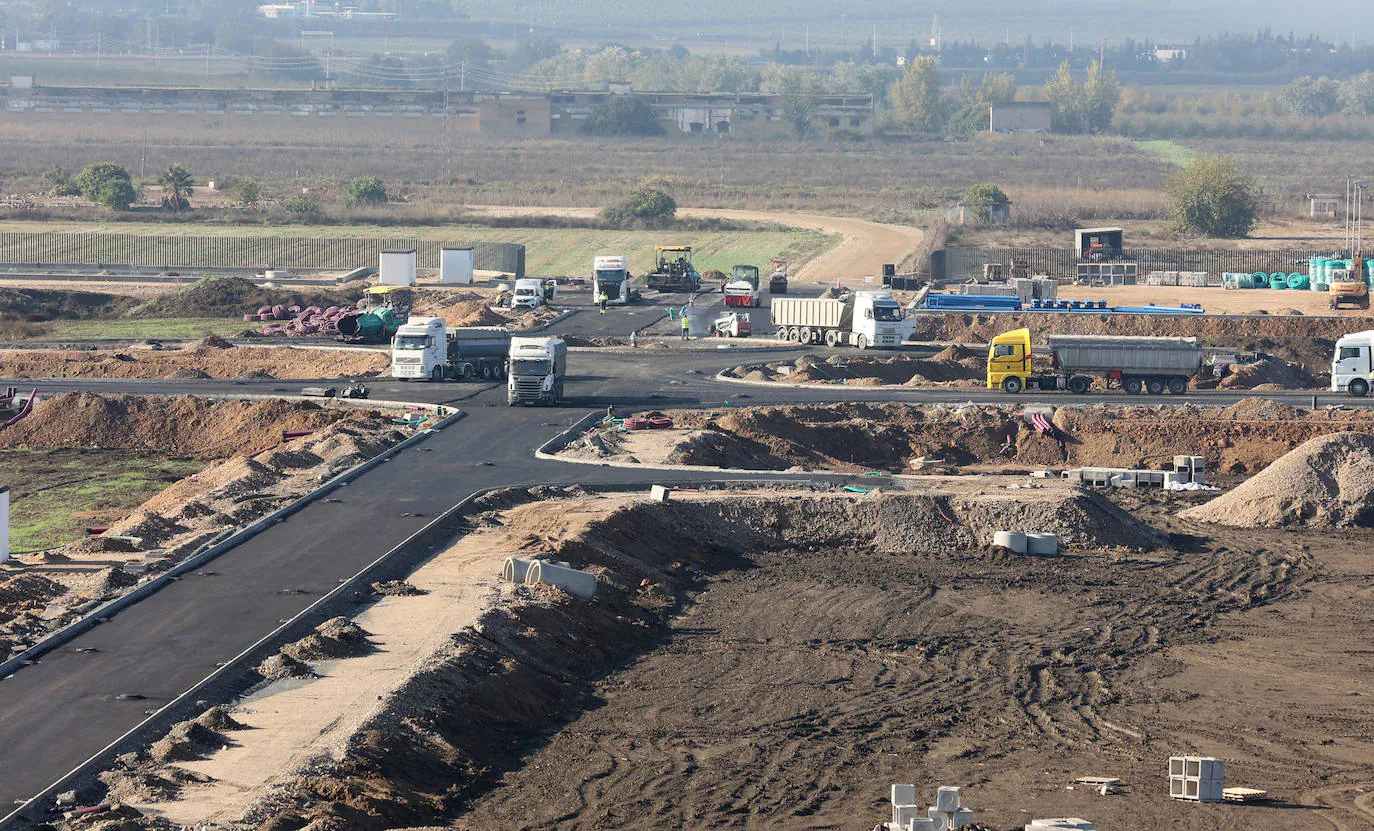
x=124, y=250
x=963, y=263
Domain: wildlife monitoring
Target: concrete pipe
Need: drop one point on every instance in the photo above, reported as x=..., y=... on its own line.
x=574, y=582
x=1046, y=545
x=515, y=570
x=1015, y=540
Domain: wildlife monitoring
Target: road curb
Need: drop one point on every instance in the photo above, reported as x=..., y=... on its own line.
x=107, y=610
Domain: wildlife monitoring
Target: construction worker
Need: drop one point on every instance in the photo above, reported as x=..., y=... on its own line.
x=634, y=339
x=686, y=326
x=602, y=301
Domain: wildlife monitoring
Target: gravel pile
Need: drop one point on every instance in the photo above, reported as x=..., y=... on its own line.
x=1324, y=482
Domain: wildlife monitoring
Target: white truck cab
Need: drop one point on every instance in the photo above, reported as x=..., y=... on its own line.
x=529, y=294
x=535, y=371
x=611, y=275
x=878, y=318
x=419, y=349
x=1352, y=365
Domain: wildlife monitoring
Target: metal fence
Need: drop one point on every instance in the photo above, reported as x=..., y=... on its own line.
x=123, y=250
x=962, y=263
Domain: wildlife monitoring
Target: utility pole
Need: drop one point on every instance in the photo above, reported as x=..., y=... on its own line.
x=447, y=152
x=462, y=77
x=97, y=50
x=143, y=159
x=208, y=47
x=1349, y=244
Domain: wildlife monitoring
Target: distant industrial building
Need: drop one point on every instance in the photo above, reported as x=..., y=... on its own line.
x=504, y=115
x=1325, y=204
x=1169, y=54
x=1020, y=116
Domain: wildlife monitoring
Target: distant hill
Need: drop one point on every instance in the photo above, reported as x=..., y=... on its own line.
x=899, y=20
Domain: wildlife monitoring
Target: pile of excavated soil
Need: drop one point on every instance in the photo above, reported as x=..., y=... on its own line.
x=1268, y=373
x=232, y=297
x=280, y=666
x=42, y=305
x=185, y=427
x=954, y=366
x=1304, y=340
x=854, y=437
x=185, y=742
x=1325, y=482
x=214, y=360
x=335, y=638
x=577, y=340
x=26, y=593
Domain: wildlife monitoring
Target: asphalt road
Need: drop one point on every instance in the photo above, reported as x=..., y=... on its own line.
x=60, y=711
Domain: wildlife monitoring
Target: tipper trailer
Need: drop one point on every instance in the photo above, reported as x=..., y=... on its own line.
x=426, y=348
x=1153, y=365
x=864, y=319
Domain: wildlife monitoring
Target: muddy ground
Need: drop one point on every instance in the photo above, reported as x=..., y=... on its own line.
x=241, y=467
x=858, y=437
x=1304, y=340
x=778, y=661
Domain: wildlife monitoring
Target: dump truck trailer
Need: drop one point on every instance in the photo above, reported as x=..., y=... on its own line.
x=1136, y=364
x=866, y=318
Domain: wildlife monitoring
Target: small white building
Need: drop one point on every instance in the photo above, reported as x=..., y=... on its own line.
x=1328, y=205
x=397, y=267
x=455, y=265
x=1169, y=54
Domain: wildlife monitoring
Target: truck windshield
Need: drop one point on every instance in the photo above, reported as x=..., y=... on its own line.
x=411, y=342
x=610, y=277
x=529, y=366
x=887, y=313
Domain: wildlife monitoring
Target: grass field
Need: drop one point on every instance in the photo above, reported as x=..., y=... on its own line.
x=156, y=328
x=1169, y=151
x=59, y=493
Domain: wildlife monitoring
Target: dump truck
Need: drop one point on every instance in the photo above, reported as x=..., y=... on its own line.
x=1154, y=365
x=742, y=289
x=535, y=371
x=777, y=279
x=673, y=270
x=426, y=348
x=611, y=276
x=380, y=313
x=1352, y=365
x=863, y=319
x=1350, y=293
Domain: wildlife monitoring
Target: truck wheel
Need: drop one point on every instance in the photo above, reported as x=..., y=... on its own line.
x=1012, y=385
x=1178, y=386
x=832, y=338
x=782, y=333
x=466, y=372
x=1154, y=386
x=794, y=334
x=1080, y=384
x=805, y=334
x=437, y=375
x=1358, y=388
x=861, y=342
x=1132, y=386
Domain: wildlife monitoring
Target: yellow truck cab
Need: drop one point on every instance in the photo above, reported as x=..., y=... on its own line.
x=1009, y=356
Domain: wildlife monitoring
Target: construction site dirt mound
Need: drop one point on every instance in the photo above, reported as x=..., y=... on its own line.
x=279, y=667
x=26, y=592
x=858, y=437
x=1304, y=340
x=337, y=637
x=199, y=361
x=1269, y=373
x=43, y=305
x=187, y=426
x=579, y=341
x=185, y=742
x=232, y=297
x=951, y=367
x=1325, y=482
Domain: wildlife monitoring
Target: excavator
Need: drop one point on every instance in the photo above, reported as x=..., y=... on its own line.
x=1348, y=288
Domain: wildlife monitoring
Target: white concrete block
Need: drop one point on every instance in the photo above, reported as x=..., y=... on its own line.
x=658, y=493
x=1060, y=824
x=922, y=824
x=1014, y=540
x=962, y=817
x=1045, y=545
x=1176, y=765
x=947, y=798
x=901, y=794
x=902, y=815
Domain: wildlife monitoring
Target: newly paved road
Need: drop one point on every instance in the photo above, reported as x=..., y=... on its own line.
x=59, y=712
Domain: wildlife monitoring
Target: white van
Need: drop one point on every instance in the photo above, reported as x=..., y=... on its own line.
x=529, y=294
x=1351, y=370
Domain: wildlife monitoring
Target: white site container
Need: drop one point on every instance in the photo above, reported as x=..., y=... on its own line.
x=455, y=265
x=396, y=267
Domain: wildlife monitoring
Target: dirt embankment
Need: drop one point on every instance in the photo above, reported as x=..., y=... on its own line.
x=1304, y=340
x=24, y=311
x=955, y=366
x=901, y=438
x=208, y=358
x=231, y=297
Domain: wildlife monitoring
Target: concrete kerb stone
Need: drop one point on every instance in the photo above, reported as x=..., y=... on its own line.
x=230, y=679
x=107, y=610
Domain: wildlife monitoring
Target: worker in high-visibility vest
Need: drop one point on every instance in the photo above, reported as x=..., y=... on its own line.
x=602, y=301
x=686, y=326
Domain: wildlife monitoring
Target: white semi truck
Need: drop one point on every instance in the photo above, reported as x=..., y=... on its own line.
x=612, y=276
x=425, y=348
x=536, y=369
x=864, y=319
x=1352, y=366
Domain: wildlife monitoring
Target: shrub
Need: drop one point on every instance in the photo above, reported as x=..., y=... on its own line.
x=645, y=204
x=246, y=191
x=1214, y=196
x=108, y=184
x=59, y=182
x=302, y=206
x=366, y=190
x=622, y=115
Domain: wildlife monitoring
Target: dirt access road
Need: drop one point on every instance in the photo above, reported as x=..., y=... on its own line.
x=866, y=246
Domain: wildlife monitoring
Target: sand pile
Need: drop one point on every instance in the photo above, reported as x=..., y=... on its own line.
x=1325, y=482
x=335, y=638
x=281, y=666
x=185, y=742
x=1268, y=373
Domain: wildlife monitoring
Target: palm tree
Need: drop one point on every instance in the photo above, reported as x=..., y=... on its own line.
x=176, y=187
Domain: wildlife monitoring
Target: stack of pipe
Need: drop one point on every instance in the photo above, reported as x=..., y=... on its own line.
x=293, y=321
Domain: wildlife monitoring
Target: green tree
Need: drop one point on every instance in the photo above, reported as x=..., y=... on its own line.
x=622, y=115
x=108, y=184
x=366, y=190
x=177, y=186
x=1101, y=93
x=1069, y=98
x=234, y=36
x=644, y=204
x=470, y=50
x=246, y=191
x=972, y=115
x=59, y=182
x=984, y=196
x=612, y=65
x=1310, y=96
x=1214, y=196
x=915, y=97
x=1357, y=94
x=302, y=206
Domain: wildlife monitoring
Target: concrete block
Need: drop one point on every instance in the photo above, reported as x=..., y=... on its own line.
x=903, y=794
x=1210, y=791
x=1014, y=540
x=1213, y=769
x=1060, y=824
x=1045, y=545
x=658, y=493
x=947, y=798
x=922, y=824
x=902, y=815
x=1176, y=765
x=962, y=817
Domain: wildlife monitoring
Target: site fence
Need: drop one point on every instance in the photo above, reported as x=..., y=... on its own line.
x=116, y=251
x=963, y=263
